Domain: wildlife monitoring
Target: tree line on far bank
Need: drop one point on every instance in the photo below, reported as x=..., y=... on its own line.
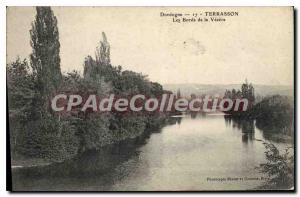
x=274, y=111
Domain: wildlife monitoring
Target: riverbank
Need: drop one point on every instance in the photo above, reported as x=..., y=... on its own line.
x=28, y=162
x=177, y=152
x=153, y=124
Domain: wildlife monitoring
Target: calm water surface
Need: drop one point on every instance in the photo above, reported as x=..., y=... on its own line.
x=181, y=156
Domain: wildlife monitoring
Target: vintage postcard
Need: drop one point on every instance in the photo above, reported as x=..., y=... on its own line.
x=150, y=98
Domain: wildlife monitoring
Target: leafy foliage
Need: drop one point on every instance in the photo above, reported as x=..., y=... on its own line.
x=37, y=131
x=279, y=167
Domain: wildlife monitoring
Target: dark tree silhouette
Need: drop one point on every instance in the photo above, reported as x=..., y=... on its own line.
x=45, y=60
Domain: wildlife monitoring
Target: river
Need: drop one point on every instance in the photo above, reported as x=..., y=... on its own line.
x=199, y=152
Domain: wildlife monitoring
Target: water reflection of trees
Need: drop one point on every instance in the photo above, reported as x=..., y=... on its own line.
x=175, y=120
x=275, y=131
x=194, y=115
x=93, y=167
x=243, y=124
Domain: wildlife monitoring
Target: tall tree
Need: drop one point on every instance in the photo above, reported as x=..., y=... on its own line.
x=103, y=51
x=45, y=60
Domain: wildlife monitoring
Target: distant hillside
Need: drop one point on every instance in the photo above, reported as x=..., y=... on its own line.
x=207, y=89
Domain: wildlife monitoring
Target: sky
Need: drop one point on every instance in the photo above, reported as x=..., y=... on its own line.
x=257, y=44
